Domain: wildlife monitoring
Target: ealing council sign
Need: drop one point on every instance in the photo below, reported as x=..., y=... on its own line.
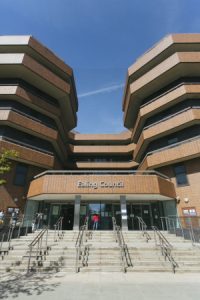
x=101, y=184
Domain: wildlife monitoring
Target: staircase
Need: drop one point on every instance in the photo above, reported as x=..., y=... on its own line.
x=104, y=254
x=186, y=255
x=60, y=256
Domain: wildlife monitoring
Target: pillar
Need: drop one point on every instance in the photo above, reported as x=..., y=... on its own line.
x=77, y=203
x=123, y=212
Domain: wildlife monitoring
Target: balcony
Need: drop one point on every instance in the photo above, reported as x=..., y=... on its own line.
x=175, y=153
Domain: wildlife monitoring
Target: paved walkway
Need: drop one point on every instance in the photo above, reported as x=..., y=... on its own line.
x=113, y=286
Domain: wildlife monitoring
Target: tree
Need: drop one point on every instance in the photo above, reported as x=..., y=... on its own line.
x=5, y=162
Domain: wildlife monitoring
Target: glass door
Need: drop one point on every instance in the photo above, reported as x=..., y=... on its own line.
x=54, y=214
x=156, y=214
x=67, y=212
x=138, y=210
x=106, y=217
x=117, y=213
x=93, y=209
x=146, y=215
x=105, y=212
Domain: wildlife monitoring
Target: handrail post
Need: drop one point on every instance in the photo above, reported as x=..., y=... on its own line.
x=82, y=237
x=38, y=243
x=10, y=237
x=29, y=259
x=124, y=255
x=161, y=218
x=165, y=248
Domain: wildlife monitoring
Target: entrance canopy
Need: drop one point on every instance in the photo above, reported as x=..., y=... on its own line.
x=101, y=185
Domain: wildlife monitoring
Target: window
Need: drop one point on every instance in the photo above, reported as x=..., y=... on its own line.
x=181, y=175
x=20, y=174
x=172, y=141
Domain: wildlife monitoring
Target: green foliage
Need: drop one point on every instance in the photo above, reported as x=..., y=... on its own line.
x=5, y=162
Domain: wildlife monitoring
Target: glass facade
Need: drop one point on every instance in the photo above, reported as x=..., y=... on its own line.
x=150, y=212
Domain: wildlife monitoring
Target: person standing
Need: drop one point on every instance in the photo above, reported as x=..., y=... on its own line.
x=95, y=220
x=2, y=215
x=14, y=217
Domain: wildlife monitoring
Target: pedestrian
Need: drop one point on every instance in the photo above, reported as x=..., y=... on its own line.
x=2, y=215
x=14, y=218
x=38, y=220
x=95, y=220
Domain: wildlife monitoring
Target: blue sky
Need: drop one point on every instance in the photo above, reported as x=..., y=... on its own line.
x=99, y=39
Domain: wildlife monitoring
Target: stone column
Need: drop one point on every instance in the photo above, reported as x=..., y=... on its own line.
x=123, y=212
x=77, y=203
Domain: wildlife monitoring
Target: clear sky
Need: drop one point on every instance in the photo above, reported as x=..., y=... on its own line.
x=99, y=39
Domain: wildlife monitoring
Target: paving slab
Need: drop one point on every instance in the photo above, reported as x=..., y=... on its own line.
x=118, y=286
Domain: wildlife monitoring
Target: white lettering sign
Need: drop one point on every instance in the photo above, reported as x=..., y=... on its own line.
x=102, y=184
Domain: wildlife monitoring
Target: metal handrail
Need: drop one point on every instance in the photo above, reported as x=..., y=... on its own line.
x=165, y=247
x=27, y=116
x=37, y=247
x=58, y=232
x=171, y=116
x=7, y=236
x=170, y=147
x=6, y=240
x=29, y=146
x=124, y=253
x=104, y=172
x=82, y=254
x=164, y=220
x=143, y=228
x=3, y=251
x=186, y=226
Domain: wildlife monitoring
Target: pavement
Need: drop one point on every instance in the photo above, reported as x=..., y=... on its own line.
x=112, y=286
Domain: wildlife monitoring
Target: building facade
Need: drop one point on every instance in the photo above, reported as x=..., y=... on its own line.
x=152, y=170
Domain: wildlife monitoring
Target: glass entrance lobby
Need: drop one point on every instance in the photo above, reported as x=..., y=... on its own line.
x=125, y=211
x=104, y=211
x=149, y=212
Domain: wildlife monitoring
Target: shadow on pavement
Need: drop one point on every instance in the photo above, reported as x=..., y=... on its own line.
x=16, y=285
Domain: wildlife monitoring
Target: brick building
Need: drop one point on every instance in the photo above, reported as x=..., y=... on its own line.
x=150, y=170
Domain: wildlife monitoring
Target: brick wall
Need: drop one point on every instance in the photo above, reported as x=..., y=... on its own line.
x=191, y=191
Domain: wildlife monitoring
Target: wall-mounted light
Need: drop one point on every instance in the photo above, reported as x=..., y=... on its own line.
x=15, y=200
x=186, y=200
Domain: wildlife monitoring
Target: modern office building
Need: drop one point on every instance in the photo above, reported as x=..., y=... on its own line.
x=151, y=170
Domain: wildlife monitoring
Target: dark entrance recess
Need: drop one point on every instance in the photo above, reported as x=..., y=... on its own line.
x=67, y=212
x=150, y=213
x=64, y=210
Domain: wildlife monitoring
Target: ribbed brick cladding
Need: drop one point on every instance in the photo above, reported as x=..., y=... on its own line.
x=159, y=104
x=191, y=192
x=177, y=122
x=165, y=76
x=32, y=76
x=132, y=184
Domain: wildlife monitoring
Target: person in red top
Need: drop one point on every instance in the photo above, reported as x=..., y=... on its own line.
x=95, y=220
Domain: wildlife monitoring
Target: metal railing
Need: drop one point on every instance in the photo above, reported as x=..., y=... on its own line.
x=187, y=227
x=17, y=110
x=170, y=147
x=5, y=245
x=143, y=228
x=165, y=247
x=168, y=117
x=124, y=253
x=38, y=249
x=82, y=251
x=10, y=229
x=29, y=146
x=103, y=172
x=58, y=232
